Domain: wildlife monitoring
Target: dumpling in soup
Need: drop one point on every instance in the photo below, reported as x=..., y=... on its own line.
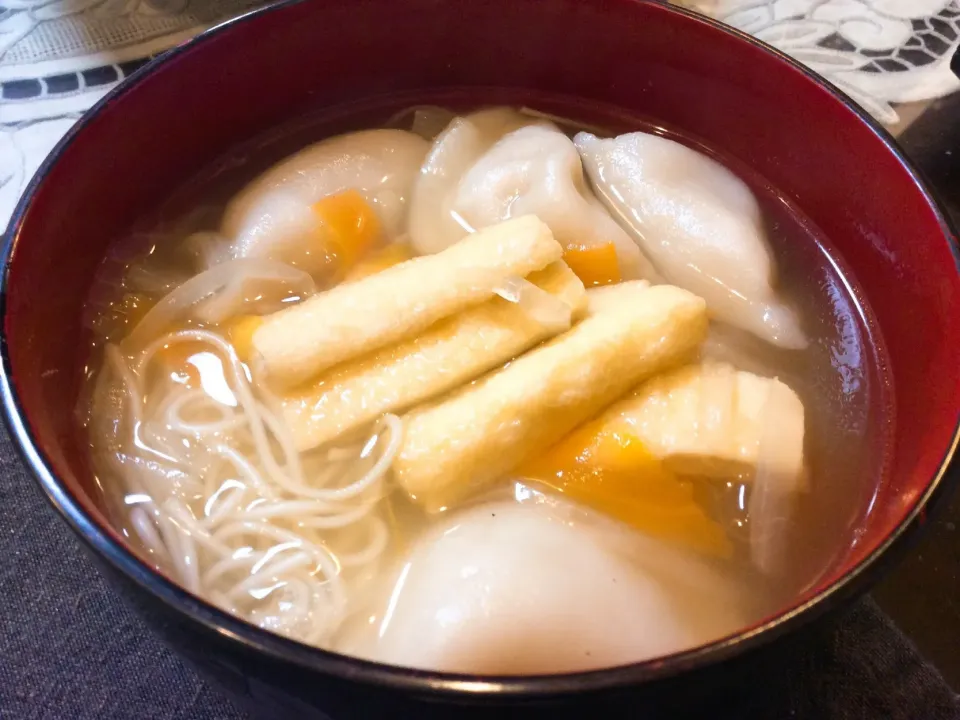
x=434, y=226
x=698, y=223
x=469, y=183
x=541, y=586
x=369, y=173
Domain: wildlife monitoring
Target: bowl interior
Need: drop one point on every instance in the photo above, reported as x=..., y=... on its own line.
x=638, y=59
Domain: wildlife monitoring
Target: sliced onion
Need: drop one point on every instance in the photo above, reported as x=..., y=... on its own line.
x=207, y=284
x=256, y=294
x=545, y=309
x=207, y=249
x=153, y=282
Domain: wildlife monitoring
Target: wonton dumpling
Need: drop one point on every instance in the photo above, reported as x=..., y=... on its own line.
x=698, y=223
x=541, y=586
x=469, y=182
x=432, y=226
x=273, y=212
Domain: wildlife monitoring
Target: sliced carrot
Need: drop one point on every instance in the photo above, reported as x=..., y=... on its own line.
x=174, y=362
x=594, y=265
x=239, y=331
x=608, y=469
x=349, y=224
x=392, y=254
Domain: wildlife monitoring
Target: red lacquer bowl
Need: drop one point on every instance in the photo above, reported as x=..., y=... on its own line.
x=239, y=80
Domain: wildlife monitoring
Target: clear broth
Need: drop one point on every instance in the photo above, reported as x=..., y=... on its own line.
x=841, y=377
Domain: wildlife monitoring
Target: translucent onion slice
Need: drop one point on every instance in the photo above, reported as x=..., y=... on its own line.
x=544, y=308
x=207, y=249
x=226, y=279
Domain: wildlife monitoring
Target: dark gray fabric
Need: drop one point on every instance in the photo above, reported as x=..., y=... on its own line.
x=864, y=670
x=69, y=650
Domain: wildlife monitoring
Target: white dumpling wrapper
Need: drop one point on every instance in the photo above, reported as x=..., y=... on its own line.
x=432, y=226
x=541, y=587
x=273, y=214
x=472, y=179
x=699, y=224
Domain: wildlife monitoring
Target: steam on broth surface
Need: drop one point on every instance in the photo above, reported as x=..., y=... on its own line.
x=415, y=391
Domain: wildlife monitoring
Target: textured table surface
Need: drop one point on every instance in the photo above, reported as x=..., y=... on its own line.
x=69, y=649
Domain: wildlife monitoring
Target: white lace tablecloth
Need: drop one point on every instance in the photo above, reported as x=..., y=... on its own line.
x=58, y=57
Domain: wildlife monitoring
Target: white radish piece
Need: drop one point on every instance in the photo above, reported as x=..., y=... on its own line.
x=775, y=486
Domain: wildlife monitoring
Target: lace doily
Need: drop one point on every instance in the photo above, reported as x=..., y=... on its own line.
x=879, y=52
x=58, y=57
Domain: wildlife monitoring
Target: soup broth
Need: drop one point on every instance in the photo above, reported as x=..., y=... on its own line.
x=337, y=475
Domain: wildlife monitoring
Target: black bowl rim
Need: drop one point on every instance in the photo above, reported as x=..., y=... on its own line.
x=214, y=620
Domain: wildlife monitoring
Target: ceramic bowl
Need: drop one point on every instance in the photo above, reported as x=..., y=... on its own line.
x=616, y=58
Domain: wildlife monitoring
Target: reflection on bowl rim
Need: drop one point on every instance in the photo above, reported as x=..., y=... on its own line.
x=346, y=667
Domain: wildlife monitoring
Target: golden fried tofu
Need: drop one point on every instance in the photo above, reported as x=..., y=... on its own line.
x=457, y=446
x=448, y=354
x=357, y=317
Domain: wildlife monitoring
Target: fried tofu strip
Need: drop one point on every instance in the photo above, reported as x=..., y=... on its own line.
x=450, y=353
x=355, y=318
x=457, y=446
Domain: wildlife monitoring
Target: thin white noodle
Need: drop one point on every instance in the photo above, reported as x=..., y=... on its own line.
x=188, y=549
x=331, y=521
x=241, y=386
x=247, y=470
x=231, y=298
x=293, y=509
x=217, y=470
x=171, y=538
x=324, y=558
x=278, y=569
x=147, y=532
x=176, y=420
x=227, y=566
x=365, y=482
x=190, y=526
x=232, y=514
x=224, y=501
x=377, y=542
